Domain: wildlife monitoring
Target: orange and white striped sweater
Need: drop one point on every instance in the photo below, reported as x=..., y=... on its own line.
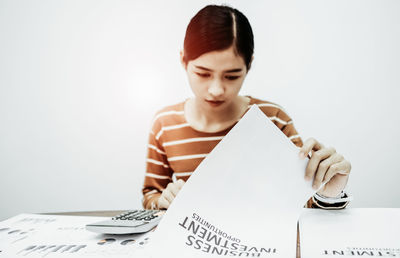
x=175, y=149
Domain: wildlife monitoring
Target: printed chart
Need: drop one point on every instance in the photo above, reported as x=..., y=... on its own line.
x=31, y=235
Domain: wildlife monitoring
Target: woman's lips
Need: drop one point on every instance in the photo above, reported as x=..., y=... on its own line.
x=215, y=103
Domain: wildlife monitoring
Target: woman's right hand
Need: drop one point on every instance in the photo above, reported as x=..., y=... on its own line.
x=169, y=193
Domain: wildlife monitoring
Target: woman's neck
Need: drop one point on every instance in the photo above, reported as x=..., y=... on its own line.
x=214, y=120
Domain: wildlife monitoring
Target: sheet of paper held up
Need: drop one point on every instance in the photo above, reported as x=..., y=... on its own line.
x=362, y=232
x=244, y=199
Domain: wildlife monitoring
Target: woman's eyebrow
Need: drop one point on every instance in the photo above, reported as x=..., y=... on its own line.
x=203, y=68
x=227, y=71
x=234, y=70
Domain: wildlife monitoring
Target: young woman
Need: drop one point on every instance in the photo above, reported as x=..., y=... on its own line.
x=217, y=55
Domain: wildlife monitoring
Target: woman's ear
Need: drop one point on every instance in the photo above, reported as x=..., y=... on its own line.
x=182, y=59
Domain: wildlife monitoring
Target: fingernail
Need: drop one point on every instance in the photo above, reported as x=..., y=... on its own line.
x=315, y=187
x=302, y=155
x=307, y=178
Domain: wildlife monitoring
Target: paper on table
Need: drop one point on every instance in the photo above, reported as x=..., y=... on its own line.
x=33, y=235
x=362, y=232
x=244, y=198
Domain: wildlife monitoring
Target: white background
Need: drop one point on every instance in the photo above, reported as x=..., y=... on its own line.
x=81, y=80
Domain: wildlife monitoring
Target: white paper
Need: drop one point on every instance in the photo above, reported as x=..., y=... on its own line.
x=362, y=232
x=33, y=235
x=244, y=199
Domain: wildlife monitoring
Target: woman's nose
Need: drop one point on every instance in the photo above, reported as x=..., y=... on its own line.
x=216, y=88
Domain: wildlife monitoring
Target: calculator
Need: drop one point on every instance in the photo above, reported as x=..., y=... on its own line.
x=130, y=222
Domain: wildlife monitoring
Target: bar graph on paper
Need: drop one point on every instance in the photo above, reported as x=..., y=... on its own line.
x=31, y=235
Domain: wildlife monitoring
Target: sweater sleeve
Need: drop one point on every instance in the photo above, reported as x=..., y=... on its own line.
x=158, y=172
x=313, y=202
x=285, y=123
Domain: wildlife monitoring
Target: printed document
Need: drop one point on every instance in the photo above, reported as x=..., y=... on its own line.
x=33, y=235
x=362, y=232
x=244, y=199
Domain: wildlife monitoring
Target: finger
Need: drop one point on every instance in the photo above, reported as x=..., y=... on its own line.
x=171, y=188
x=346, y=168
x=162, y=203
x=168, y=195
x=309, y=144
x=174, y=189
x=343, y=167
x=315, y=160
x=323, y=167
x=180, y=183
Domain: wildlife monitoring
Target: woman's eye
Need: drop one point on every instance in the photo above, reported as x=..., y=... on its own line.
x=231, y=78
x=204, y=75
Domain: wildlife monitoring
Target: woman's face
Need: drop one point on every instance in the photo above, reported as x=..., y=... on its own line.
x=216, y=78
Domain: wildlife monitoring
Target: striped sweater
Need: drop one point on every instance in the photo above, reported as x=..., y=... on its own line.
x=175, y=149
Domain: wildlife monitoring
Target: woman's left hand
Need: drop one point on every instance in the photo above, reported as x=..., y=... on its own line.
x=325, y=165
